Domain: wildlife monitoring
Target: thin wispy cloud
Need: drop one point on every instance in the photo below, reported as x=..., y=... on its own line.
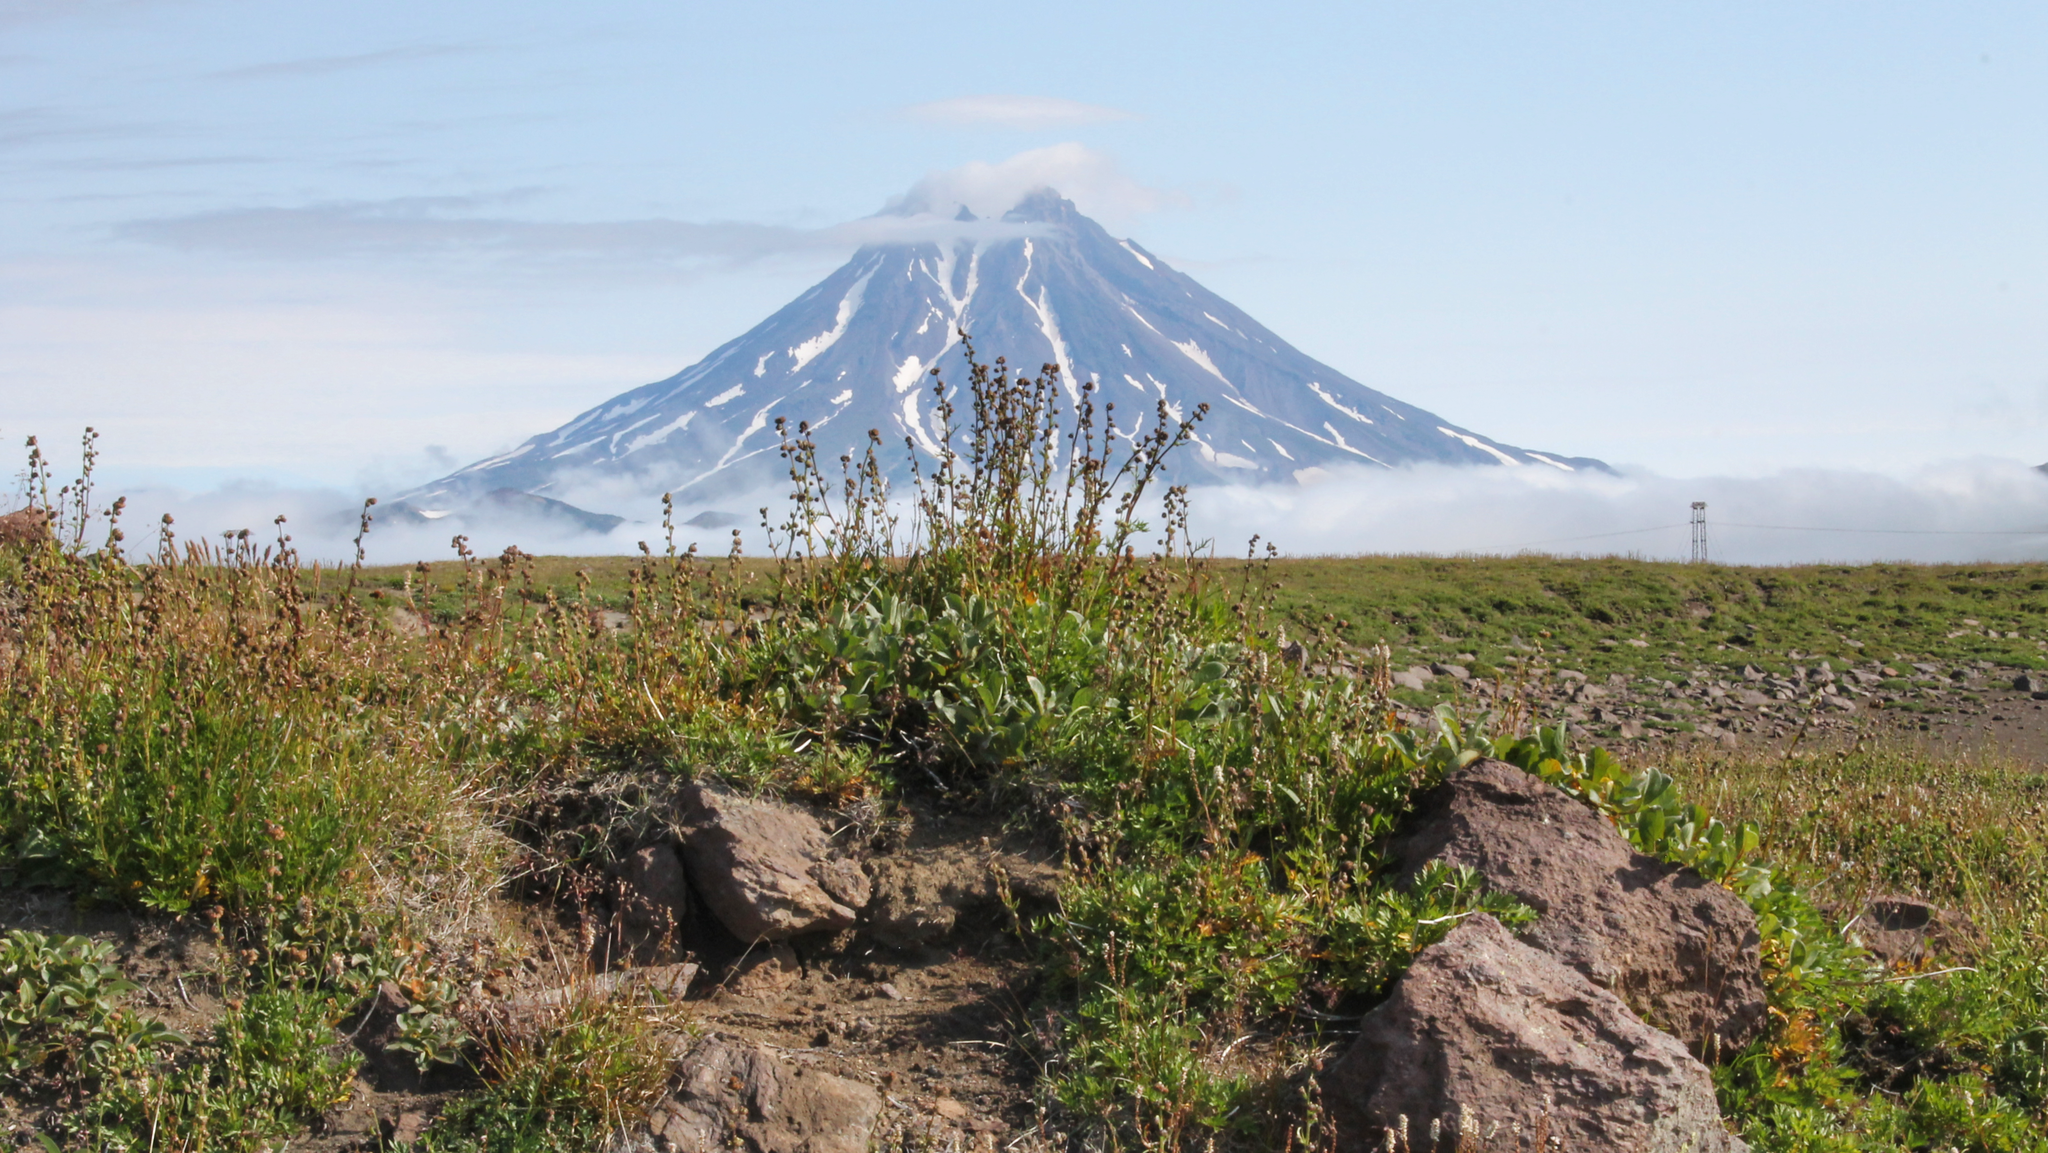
x=467, y=227
x=328, y=65
x=26, y=127
x=409, y=228
x=149, y=164
x=1029, y=113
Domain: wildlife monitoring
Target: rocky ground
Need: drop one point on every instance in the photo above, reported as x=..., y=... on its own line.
x=1968, y=704
x=899, y=1016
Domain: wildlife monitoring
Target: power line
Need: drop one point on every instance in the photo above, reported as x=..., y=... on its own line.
x=1698, y=526
x=1896, y=531
x=1600, y=535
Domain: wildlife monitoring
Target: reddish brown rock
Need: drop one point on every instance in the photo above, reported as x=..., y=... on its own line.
x=657, y=897
x=767, y=871
x=733, y=1096
x=1486, y=1034
x=765, y=971
x=1683, y=953
x=24, y=526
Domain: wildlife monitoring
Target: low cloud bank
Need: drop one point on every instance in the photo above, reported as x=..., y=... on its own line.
x=1959, y=511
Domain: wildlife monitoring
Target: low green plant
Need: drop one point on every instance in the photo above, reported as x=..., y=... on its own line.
x=1371, y=940
x=60, y=1011
x=270, y=1066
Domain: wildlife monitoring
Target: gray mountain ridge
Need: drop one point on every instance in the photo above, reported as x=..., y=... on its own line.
x=1045, y=285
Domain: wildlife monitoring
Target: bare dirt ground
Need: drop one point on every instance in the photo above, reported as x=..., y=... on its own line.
x=933, y=1024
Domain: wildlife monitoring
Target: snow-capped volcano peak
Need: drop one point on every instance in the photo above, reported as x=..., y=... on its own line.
x=854, y=353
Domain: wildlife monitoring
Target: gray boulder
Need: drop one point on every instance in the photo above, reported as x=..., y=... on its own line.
x=1486, y=1037
x=1683, y=953
x=731, y=1096
x=767, y=871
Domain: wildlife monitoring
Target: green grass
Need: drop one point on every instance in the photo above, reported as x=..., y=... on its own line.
x=1950, y=1061
x=1586, y=611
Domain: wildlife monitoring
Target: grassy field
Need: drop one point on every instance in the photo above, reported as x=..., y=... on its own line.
x=1584, y=611
x=326, y=781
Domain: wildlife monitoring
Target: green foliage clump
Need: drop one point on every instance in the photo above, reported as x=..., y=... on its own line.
x=60, y=1011
x=269, y=1069
x=560, y=1083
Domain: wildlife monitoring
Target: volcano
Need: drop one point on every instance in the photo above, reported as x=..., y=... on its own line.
x=1041, y=285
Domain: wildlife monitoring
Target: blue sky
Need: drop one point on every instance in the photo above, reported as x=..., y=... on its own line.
x=352, y=245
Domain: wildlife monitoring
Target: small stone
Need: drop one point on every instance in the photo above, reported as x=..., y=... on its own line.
x=657, y=895
x=767, y=970
x=951, y=1110
x=890, y=991
x=2028, y=683
x=24, y=527
x=1906, y=931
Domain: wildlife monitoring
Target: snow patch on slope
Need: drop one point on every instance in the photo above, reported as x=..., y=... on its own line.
x=849, y=304
x=1481, y=445
x=656, y=436
x=1194, y=352
x=1339, y=405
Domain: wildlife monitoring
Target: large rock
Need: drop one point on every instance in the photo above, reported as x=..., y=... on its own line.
x=1485, y=1033
x=732, y=1096
x=766, y=870
x=24, y=526
x=1683, y=953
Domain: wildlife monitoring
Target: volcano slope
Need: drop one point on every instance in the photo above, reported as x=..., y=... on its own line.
x=1042, y=285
